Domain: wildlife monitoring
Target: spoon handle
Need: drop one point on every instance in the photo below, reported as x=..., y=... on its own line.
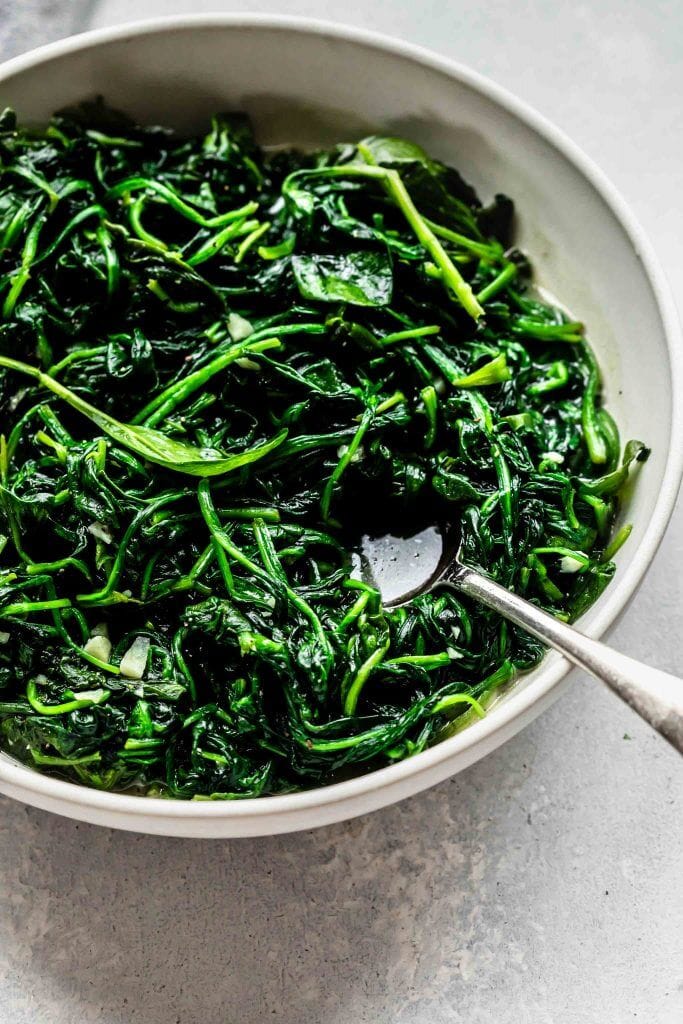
x=656, y=696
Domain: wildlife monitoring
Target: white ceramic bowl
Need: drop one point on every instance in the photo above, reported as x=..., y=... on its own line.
x=310, y=83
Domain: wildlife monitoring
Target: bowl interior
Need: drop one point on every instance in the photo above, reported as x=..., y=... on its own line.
x=310, y=87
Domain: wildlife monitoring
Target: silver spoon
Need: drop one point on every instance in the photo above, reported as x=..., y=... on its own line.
x=402, y=568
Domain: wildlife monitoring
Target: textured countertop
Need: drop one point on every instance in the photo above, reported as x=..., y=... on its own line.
x=542, y=885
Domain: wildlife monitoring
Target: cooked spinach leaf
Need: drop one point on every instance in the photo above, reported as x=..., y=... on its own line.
x=359, y=278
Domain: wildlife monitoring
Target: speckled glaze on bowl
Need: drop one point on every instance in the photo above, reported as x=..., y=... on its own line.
x=312, y=83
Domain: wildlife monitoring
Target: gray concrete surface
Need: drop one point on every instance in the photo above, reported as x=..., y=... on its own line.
x=542, y=885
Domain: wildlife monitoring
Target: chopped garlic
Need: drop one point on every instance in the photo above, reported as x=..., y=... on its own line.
x=453, y=654
x=134, y=661
x=357, y=456
x=4, y=637
x=247, y=643
x=16, y=399
x=248, y=364
x=553, y=457
x=569, y=564
x=101, y=532
x=96, y=696
x=99, y=647
x=238, y=327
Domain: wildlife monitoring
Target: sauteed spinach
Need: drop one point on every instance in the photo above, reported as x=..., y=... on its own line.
x=220, y=368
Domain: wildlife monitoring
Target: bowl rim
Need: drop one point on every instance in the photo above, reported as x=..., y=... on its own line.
x=32, y=786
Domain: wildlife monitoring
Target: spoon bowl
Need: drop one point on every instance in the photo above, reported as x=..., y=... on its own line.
x=401, y=567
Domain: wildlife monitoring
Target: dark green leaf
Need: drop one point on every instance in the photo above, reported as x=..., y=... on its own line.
x=359, y=278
